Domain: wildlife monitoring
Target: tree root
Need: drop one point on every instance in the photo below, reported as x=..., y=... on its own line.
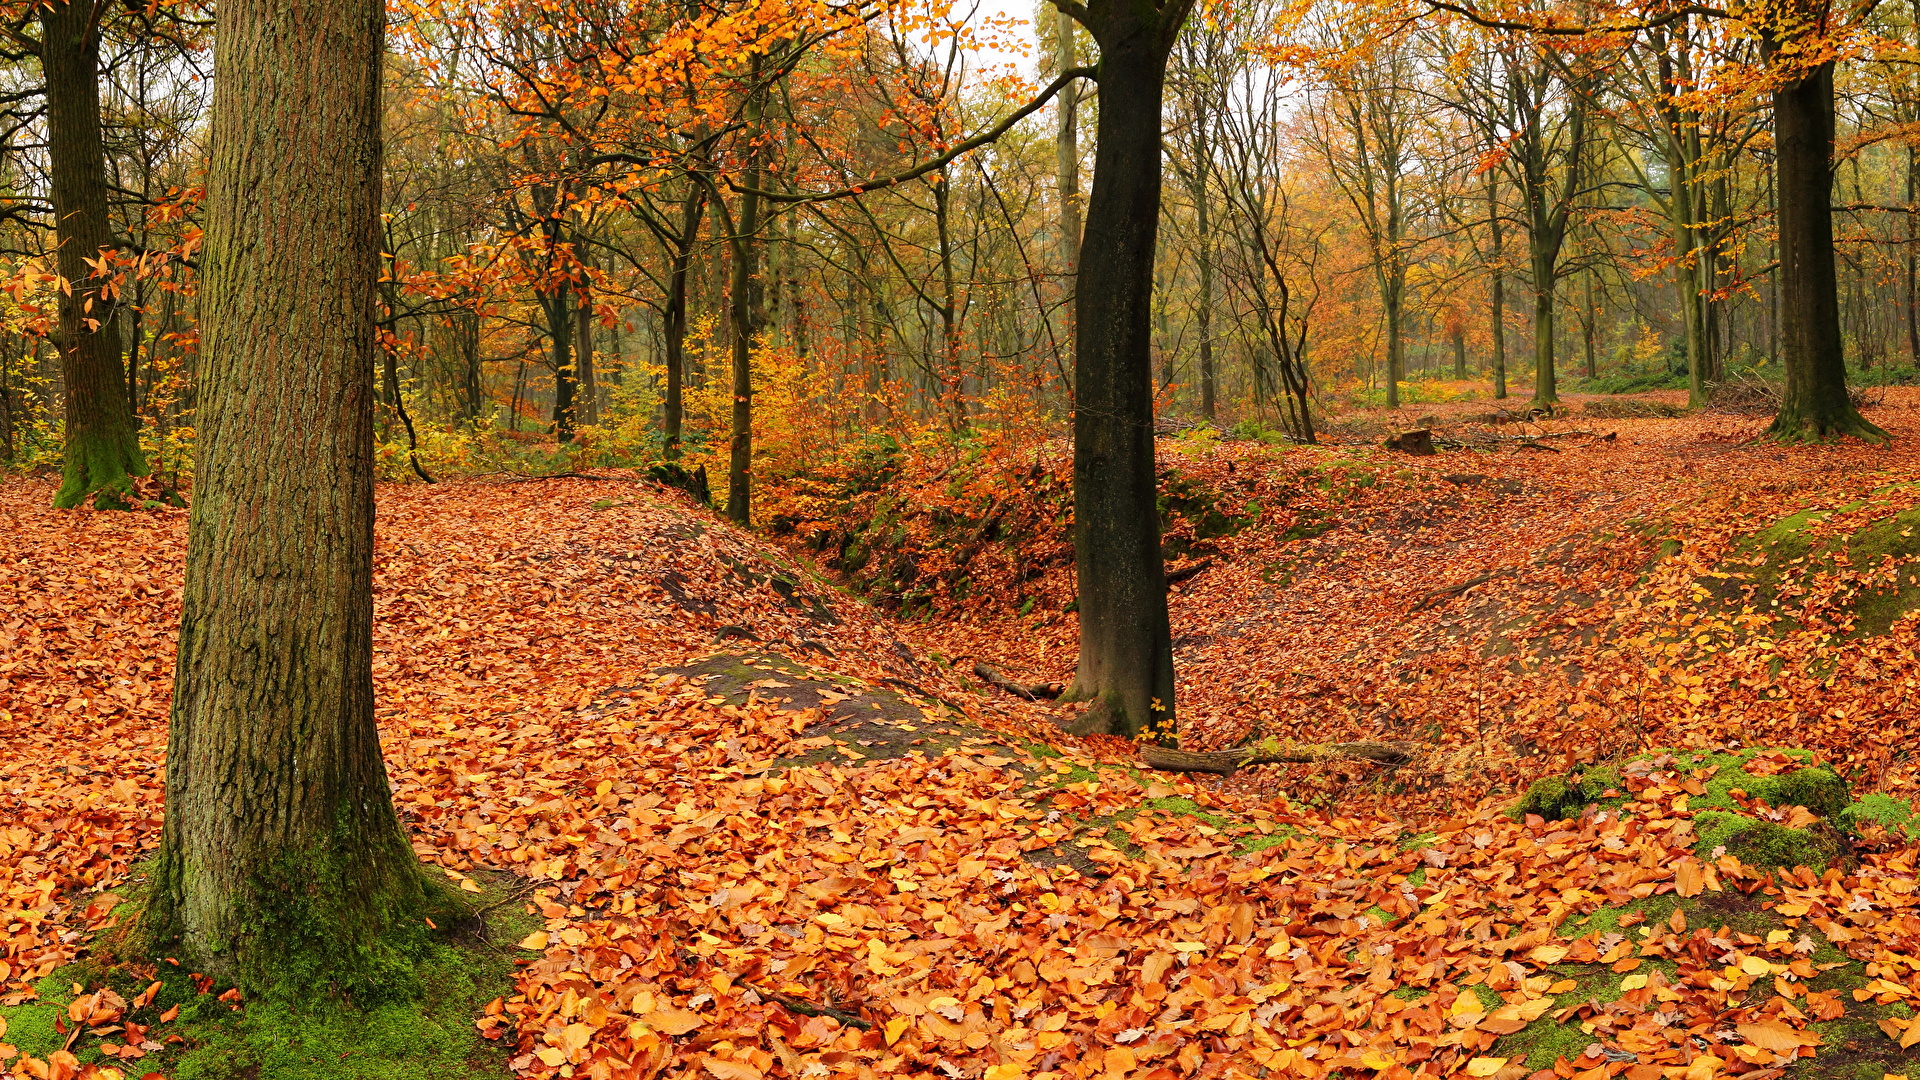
x=1434, y=596
x=1271, y=752
x=1030, y=691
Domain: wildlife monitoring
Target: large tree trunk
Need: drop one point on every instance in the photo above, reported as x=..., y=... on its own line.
x=1126, y=653
x=1815, y=405
x=103, y=444
x=283, y=865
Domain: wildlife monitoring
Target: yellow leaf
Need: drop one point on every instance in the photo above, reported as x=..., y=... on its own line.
x=467, y=884
x=1633, y=982
x=573, y=936
x=897, y=1027
x=1013, y=1071
x=551, y=1056
x=535, y=941
x=1119, y=1060
x=1466, y=1004
x=1753, y=965
x=1374, y=1059
x=1792, y=911
x=1547, y=954
x=1485, y=1066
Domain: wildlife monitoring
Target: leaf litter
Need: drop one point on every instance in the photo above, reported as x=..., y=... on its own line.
x=715, y=902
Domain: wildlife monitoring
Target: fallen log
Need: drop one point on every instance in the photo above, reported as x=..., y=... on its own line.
x=1030, y=691
x=1272, y=752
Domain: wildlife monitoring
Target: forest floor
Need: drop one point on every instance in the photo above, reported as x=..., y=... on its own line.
x=759, y=826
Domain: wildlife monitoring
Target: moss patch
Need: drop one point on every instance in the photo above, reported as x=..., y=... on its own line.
x=205, y=1038
x=1767, y=566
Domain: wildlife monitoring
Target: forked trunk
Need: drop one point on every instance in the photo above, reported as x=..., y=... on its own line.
x=283, y=866
x=1126, y=653
x=103, y=443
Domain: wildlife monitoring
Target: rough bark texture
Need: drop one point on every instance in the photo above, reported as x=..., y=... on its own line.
x=1815, y=405
x=103, y=444
x=283, y=866
x=1126, y=651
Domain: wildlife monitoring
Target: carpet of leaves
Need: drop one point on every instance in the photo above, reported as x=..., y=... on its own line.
x=1578, y=645
x=699, y=908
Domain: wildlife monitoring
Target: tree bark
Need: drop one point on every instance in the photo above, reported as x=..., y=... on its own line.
x=103, y=442
x=1126, y=651
x=558, y=308
x=1815, y=406
x=1066, y=150
x=588, y=404
x=745, y=307
x=692, y=208
x=1498, y=289
x=284, y=867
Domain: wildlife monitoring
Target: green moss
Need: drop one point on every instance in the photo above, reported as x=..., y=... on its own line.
x=102, y=460
x=1786, y=552
x=1554, y=798
x=1762, y=843
x=423, y=1037
x=1817, y=788
x=1177, y=805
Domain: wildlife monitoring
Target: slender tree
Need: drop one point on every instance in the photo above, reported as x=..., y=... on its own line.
x=283, y=864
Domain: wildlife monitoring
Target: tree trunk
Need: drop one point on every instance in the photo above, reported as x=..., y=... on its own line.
x=1392, y=289
x=1913, y=259
x=103, y=443
x=1460, y=352
x=675, y=320
x=1545, y=392
x=1498, y=289
x=1209, y=380
x=745, y=305
x=1066, y=149
x=283, y=865
x=588, y=405
x=1126, y=652
x=1815, y=406
x=558, y=307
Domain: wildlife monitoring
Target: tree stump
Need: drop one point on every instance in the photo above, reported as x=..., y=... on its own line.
x=1418, y=442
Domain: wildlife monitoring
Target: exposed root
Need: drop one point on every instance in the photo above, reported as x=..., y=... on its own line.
x=1030, y=691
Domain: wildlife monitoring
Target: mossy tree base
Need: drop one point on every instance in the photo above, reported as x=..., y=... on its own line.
x=427, y=1034
x=1796, y=425
x=101, y=462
